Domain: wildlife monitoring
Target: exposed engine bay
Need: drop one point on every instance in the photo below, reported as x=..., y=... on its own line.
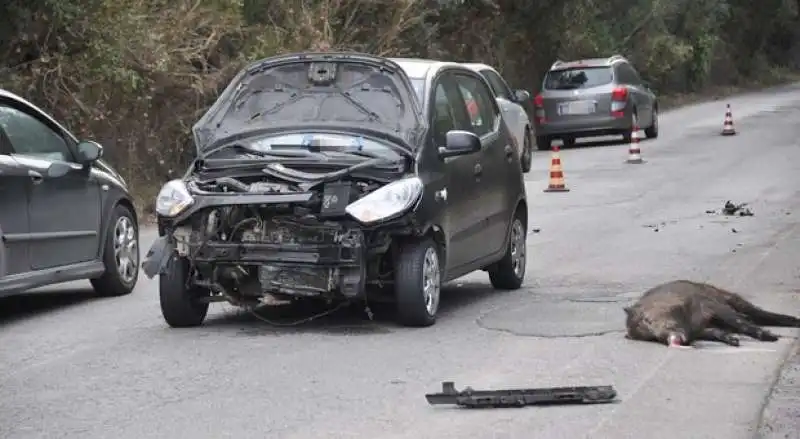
x=272, y=252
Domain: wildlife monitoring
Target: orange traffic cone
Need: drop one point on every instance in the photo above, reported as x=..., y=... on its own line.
x=634, y=153
x=556, y=174
x=727, y=126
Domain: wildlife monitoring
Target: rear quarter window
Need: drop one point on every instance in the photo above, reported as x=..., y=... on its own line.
x=584, y=77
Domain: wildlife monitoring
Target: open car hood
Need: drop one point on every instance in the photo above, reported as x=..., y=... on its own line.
x=331, y=89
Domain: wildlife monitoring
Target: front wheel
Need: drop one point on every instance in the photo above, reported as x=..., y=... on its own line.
x=120, y=255
x=180, y=304
x=417, y=283
x=509, y=272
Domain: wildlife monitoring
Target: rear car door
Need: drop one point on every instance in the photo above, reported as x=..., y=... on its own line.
x=497, y=160
x=446, y=114
x=14, y=192
x=63, y=212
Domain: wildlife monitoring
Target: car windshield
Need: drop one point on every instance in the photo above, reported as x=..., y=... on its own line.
x=337, y=92
x=583, y=77
x=419, y=87
x=327, y=142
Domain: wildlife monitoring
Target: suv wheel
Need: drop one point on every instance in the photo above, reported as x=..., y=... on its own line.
x=543, y=143
x=418, y=283
x=180, y=304
x=652, y=131
x=509, y=272
x=527, y=153
x=120, y=256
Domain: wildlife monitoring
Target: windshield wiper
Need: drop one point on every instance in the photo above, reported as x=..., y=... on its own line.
x=261, y=153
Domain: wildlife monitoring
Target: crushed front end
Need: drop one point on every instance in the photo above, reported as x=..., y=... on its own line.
x=265, y=242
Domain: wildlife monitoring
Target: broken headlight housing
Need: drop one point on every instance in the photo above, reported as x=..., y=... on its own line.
x=173, y=198
x=387, y=202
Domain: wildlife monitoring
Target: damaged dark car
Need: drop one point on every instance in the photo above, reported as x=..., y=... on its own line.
x=320, y=176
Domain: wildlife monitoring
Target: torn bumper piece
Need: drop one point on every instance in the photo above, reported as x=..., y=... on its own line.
x=521, y=397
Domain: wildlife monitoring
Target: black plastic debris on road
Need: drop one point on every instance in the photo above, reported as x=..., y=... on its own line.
x=731, y=209
x=471, y=398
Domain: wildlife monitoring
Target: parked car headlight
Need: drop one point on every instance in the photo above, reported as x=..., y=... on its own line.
x=173, y=198
x=386, y=202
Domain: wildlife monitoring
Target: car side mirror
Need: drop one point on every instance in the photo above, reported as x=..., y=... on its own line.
x=522, y=95
x=458, y=142
x=89, y=151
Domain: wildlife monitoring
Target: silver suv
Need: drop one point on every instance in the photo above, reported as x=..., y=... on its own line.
x=593, y=97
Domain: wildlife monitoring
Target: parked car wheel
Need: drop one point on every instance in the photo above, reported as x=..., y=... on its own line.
x=120, y=256
x=652, y=131
x=509, y=272
x=418, y=286
x=180, y=305
x=527, y=152
x=543, y=143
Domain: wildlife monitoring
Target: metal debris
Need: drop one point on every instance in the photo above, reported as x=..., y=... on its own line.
x=731, y=209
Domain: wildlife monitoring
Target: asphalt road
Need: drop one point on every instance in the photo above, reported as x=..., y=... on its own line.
x=80, y=368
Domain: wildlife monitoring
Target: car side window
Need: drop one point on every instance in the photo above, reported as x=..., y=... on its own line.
x=499, y=86
x=443, y=118
x=29, y=136
x=482, y=111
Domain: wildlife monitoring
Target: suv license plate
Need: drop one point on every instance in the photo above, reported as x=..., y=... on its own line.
x=576, y=107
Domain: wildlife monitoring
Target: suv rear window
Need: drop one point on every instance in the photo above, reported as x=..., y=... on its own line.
x=582, y=77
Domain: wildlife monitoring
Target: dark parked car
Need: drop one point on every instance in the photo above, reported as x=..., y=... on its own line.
x=593, y=97
x=322, y=176
x=64, y=213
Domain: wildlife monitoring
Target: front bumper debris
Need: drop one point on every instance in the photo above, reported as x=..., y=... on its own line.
x=521, y=397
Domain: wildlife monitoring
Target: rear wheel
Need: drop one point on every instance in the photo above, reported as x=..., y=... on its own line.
x=120, y=256
x=652, y=131
x=509, y=272
x=543, y=143
x=527, y=152
x=417, y=283
x=180, y=304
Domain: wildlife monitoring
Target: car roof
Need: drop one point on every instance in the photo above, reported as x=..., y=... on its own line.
x=419, y=68
x=478, y=66
x=5, y=94
x=587, y=62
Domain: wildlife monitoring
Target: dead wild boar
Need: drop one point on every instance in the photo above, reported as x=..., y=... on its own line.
x=680, y=312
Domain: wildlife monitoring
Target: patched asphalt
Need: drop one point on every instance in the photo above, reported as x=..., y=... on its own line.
x=76, y=367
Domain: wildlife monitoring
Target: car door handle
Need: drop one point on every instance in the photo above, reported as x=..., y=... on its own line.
x=509, y=150
x=35, y=176
x=478, y=170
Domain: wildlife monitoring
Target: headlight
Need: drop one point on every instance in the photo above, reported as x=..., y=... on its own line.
x=173, y=198
x=386, y=202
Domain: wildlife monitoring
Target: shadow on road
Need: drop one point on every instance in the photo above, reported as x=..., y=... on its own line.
x=348, y=320
x=20, y=307
x=594, y=142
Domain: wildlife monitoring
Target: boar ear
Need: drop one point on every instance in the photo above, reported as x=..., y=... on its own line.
x=627, y=310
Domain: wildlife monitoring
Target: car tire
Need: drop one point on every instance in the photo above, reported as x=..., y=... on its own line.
x=652, y=131
x=180, y=306
x=543, y=143
x=569, y=142
x=417, y=283
x=509, y=273
x=120, y=255
x=527, y=152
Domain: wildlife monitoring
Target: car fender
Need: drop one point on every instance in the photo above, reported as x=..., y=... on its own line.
x=109, y=203
x=3, y=259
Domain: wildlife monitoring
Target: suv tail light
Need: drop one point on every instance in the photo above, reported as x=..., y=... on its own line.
x=538, y=103
x=619, y=99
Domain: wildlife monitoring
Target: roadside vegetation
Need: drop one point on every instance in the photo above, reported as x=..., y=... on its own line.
x=136, y=74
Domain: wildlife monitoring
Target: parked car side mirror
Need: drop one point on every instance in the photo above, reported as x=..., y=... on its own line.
x=459, y=142
x=522, y=95
x=89, y=151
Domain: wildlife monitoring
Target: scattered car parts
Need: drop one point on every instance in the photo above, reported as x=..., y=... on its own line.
x=521, y=397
